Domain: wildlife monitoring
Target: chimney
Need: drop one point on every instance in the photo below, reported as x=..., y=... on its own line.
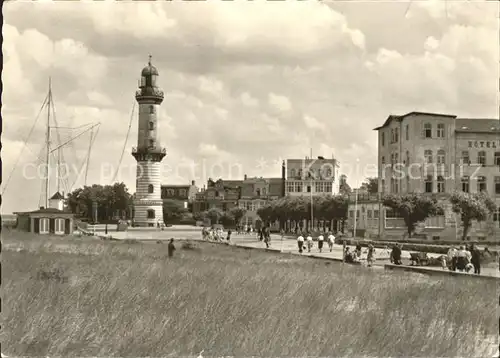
x=42, y=207
x=193, y=182
x=245, y=177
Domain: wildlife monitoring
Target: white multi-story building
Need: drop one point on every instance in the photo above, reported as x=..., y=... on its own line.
x=437, y=154
x=148, y=204
x=317, y=177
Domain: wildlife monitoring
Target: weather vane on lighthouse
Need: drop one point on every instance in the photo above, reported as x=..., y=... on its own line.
x=148, y=205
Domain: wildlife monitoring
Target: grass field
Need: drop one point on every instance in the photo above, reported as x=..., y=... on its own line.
x=95, y=298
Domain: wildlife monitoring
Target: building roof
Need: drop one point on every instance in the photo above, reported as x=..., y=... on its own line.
x=232, y=183
x=57, y=196
x=176, y=186
x=401, y=117
x=477, y=125
x=45, y=211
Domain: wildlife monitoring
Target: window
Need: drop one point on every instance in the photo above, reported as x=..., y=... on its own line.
x=440, y=156
x=151, y=109
x=298, y=187
x=394, y=185
x=427, y=130
x=382, y=138
x=496, y=215
x=407, y=157
x=292, y=173
x=497, y=159
x=299, y=173
x=396, y=158
x=382, y=160
x=151, y=214
x=481, y=158
x=318, y=187
x=263, y=191
x=428, y=156
x=369, y=214
x=308, y=188
x=440, y=130
x=465, y=184
x=290, y=187
x=351, y=213
x=465, y=157
x=329, y=173
x=407, y=132
x=392, y=158
x=481, y=184
x=328, y=187
x=440, y=184
x=396, y=135
x=151, y=143
x=257, y=192
x=375, y=214
x=383, y=186
x=428, y=184
x=392, y=135
x=151, y=126
x=44, y=226
x=59, y=226
x=497, y=185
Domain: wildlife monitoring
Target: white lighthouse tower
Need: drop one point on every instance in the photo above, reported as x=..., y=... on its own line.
x=148, y=206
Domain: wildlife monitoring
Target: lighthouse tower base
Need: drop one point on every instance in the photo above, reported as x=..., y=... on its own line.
x=148, y=213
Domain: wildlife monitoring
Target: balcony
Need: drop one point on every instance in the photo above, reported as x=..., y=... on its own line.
x=149, y=150
x=152, y=93
x=155, y=154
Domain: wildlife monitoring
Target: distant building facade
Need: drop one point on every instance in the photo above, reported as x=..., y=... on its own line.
x=182, y=193
x=316, y=177
x=220, y=194
x=436, y=154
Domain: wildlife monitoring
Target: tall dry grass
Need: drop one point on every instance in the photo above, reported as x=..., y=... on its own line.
x=91, y=298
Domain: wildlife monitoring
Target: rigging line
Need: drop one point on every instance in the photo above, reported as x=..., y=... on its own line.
x=24, y=145
x=60, y=152
x=80, y=126
x=83, y=162
x=88, y=155
x=124, y=144
x=79, y=135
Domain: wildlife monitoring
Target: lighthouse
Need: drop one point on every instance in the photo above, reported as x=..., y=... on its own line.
x=148, y=205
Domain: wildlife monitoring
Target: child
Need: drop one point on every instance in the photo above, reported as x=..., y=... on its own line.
x=300, y=243
x=443, y=262
x=331, y=241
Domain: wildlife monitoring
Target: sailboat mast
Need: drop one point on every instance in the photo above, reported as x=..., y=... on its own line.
x=47, y=143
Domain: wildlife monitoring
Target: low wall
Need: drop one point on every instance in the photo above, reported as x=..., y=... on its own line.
x=431, y=272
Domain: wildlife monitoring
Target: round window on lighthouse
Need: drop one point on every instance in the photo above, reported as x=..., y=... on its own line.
x=153, y=80
x=143, y=81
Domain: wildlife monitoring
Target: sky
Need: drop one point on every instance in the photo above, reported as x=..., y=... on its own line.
x=247, y=84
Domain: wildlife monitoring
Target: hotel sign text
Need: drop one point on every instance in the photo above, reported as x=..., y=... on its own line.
x=484, y=144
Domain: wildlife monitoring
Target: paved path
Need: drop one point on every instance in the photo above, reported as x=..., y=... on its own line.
x=285, y=246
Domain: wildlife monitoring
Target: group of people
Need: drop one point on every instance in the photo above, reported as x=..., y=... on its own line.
x=464, y=259
x=308, y=242
x=215, y=234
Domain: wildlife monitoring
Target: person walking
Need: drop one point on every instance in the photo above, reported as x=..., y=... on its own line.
x=309, y=242
x=461, y=259
x=331, y=241
x=396, y=255
x=344, y=250
x=371, y=255
x=228, y=238
x=300, y=243
x=321, y=239
x=171, y=248
x=476, y=259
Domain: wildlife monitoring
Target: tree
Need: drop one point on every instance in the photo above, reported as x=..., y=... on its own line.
x=237, y=213
x=371, y=185
x=471, y=207
x=344, y=188
x=109, y=199
x=173, y=210
x=335, y=208
x=227, y=219
x=413, y=208
x=213, y=215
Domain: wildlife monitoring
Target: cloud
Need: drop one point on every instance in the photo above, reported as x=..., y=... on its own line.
x=279, y=102
x=243, y=81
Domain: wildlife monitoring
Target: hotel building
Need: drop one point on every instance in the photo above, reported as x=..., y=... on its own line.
x=437, y=154
x=316, y=177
